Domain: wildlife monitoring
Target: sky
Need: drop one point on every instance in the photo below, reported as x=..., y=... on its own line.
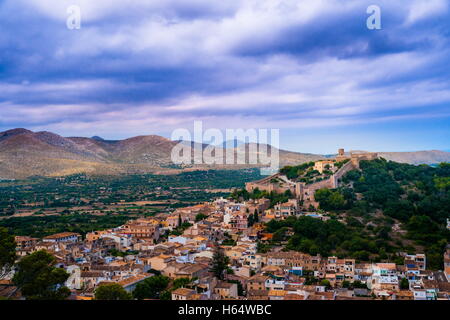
x=309, y=68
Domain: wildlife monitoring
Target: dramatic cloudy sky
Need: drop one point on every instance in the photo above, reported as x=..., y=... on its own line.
x=309, y=68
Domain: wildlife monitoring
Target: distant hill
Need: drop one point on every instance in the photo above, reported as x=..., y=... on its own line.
x=417, y=157
x=24, y=153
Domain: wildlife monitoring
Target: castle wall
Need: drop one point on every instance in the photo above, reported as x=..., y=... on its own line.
x=330, y=183
x=310, y=189
x=306, y=192
x=357, y=157
x=342, y=171
x=266, y=185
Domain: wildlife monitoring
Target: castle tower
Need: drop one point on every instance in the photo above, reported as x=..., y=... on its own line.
x=341, y=155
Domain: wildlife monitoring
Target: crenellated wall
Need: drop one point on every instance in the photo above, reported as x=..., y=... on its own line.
x=306, y=192
x=342, y=171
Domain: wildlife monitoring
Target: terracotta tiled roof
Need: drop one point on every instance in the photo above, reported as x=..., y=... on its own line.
x=183, y=292
x=258, y=278
x=92, y=274
x=293, y=296
x=61, y=235
x=131, y=280
x=252, y=293
x=278, y=293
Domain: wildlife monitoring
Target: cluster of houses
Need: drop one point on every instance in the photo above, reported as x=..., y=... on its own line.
x=145, y=247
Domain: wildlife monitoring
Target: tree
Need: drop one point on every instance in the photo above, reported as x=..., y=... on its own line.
x=200, y=217
x=352, y=175
x=419, y=227
x=155, y=272
x=326, y=283
x=38, y=279
x=279, y=235
x=180, y=282
x=262, y=248
x=151, y=288
x=7, y=252
x=329, y=200
x=336, y=200
x=255, y=216
x=404, y=284
x=165, y=295
x=111, y=291
x=358, y=284
x=250, y=220
x=220, y=262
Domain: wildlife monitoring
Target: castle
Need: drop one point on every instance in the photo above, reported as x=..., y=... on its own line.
x=280, y=183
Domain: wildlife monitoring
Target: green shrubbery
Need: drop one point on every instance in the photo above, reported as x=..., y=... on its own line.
x=417, y=196
x=244, y=195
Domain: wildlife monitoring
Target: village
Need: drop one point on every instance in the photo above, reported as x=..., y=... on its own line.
x=274, y=275
x=182, y=246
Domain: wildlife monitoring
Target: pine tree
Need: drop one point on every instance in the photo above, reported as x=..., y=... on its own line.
x=39, y=279
x=250, y=220
x=220, y=262
x=7, y=252
x=255, y=216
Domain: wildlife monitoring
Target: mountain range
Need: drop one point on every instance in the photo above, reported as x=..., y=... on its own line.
x=24, y=153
